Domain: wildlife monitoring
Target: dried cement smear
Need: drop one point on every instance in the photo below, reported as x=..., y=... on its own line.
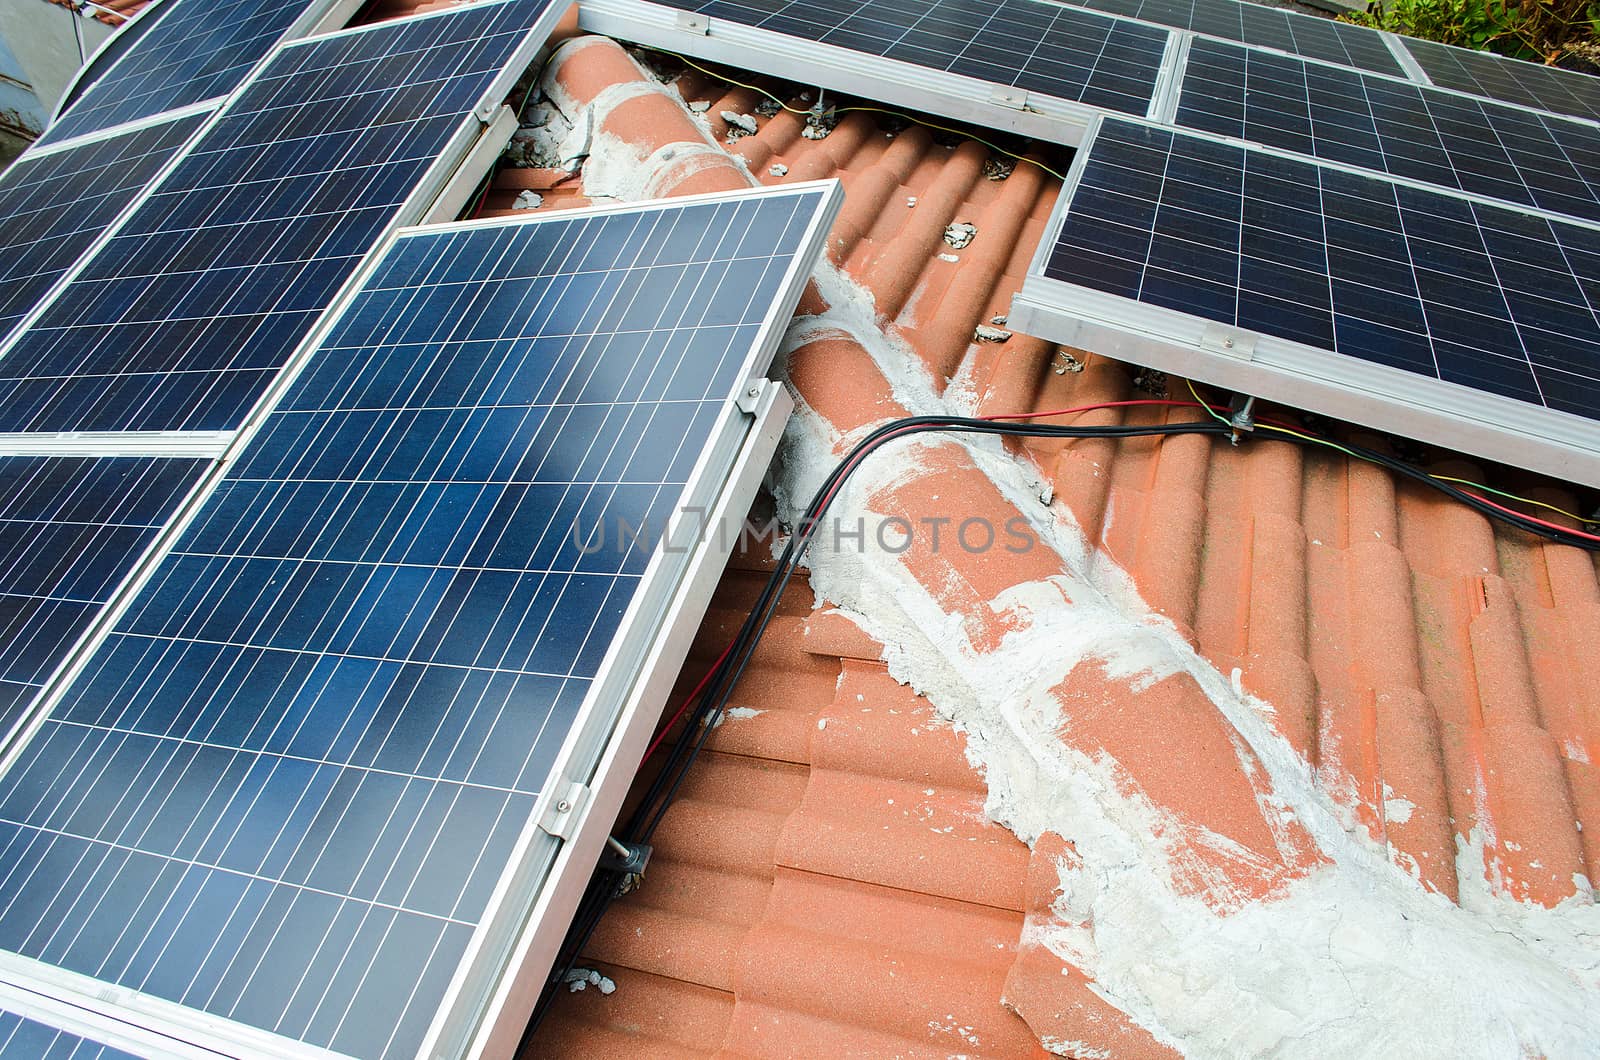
x=1354, y=960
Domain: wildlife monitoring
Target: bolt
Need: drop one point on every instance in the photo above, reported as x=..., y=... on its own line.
x=563, y=806
x=1227, y=344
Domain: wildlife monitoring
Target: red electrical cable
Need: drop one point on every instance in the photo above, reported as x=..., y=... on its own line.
x=1101, y=405
x=1533, y=519
x=687, y=700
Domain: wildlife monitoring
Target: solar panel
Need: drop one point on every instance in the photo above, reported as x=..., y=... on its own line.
x=286, y=787
x=1511, y=80
x=54, y=205
x=1393, y=126
x=1455, y=320
x=71, y=530
x=184, y=51
x=1266, y=27
x=185, y=317
x=22, y=1038
x=1033, y=46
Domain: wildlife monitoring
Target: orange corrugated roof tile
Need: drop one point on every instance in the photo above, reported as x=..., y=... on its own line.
x=829, y=882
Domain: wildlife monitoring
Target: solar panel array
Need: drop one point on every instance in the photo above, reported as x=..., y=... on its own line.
x=1393, y=127
x=56, y=205
x=284, y=788
x=1511, y=80
x=188, y=313
x=192, y=50
x=1489, y=297
x=71, y=530
x=25, y=1039
x=1035, y=45
x=1266, y=27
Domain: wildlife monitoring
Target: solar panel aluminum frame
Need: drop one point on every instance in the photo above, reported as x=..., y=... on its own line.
x=498, y=981
x=1407, y=61
x=435, y=184
x=127, y=1037
x=1497, y=428
x=839, y=69
x=193, y=444
x=320, y=16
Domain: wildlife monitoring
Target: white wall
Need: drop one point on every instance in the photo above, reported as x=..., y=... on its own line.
x=48, y=43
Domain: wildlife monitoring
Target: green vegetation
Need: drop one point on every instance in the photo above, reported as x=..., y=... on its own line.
x=1560, y=32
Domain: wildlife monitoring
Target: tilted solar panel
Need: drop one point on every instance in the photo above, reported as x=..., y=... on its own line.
x=184, y=318
x=1338, y=291
x=285, y=789
x=26, y=1039
x=1264, y=26
x=1393, y=126
x=71, y=530
x=54, y=205
x=1511, y=80
x=187, y=51
x=1032, y=46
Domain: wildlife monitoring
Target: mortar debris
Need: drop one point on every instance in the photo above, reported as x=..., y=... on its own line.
x=1065, y=362
x=998, y=168
x=739, y=125
x=960, y=234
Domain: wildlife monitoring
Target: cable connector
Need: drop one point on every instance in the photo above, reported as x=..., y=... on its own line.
x=630, y=861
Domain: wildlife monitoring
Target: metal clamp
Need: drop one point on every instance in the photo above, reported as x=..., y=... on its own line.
x=693, y=23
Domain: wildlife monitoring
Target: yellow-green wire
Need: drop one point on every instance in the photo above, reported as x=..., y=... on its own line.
x=1207, y=405
x=1357, y=456
x=860, y=110
x=1511, y=497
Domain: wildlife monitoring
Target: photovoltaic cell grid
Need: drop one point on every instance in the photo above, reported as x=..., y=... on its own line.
x=185, y=317
x=71, y=530
x=1029, y=44
x=1266, y=27
x=54, y=206
x=1394, y=127
x=25, y=1039
x=284, y=788
x=194, y=50
x=1487, y=297
x=1511, y=80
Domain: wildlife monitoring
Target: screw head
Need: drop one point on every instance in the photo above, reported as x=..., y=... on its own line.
x=1227, y=344
x=563, y=806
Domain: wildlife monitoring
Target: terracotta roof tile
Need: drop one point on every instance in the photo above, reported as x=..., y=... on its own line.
x=830, y=878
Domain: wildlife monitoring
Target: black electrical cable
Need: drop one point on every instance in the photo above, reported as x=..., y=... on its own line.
x=701, y=720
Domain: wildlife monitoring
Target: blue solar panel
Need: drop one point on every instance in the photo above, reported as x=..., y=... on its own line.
x=1393, y=126
x=183, y=319
x=1034, y=45
x=53, y=206
x=1512, y=80
x=25, y=1039
x=1488, y=297
x=284, y=788
x=71, y=529
x=1266, y=26
x=183, y=52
